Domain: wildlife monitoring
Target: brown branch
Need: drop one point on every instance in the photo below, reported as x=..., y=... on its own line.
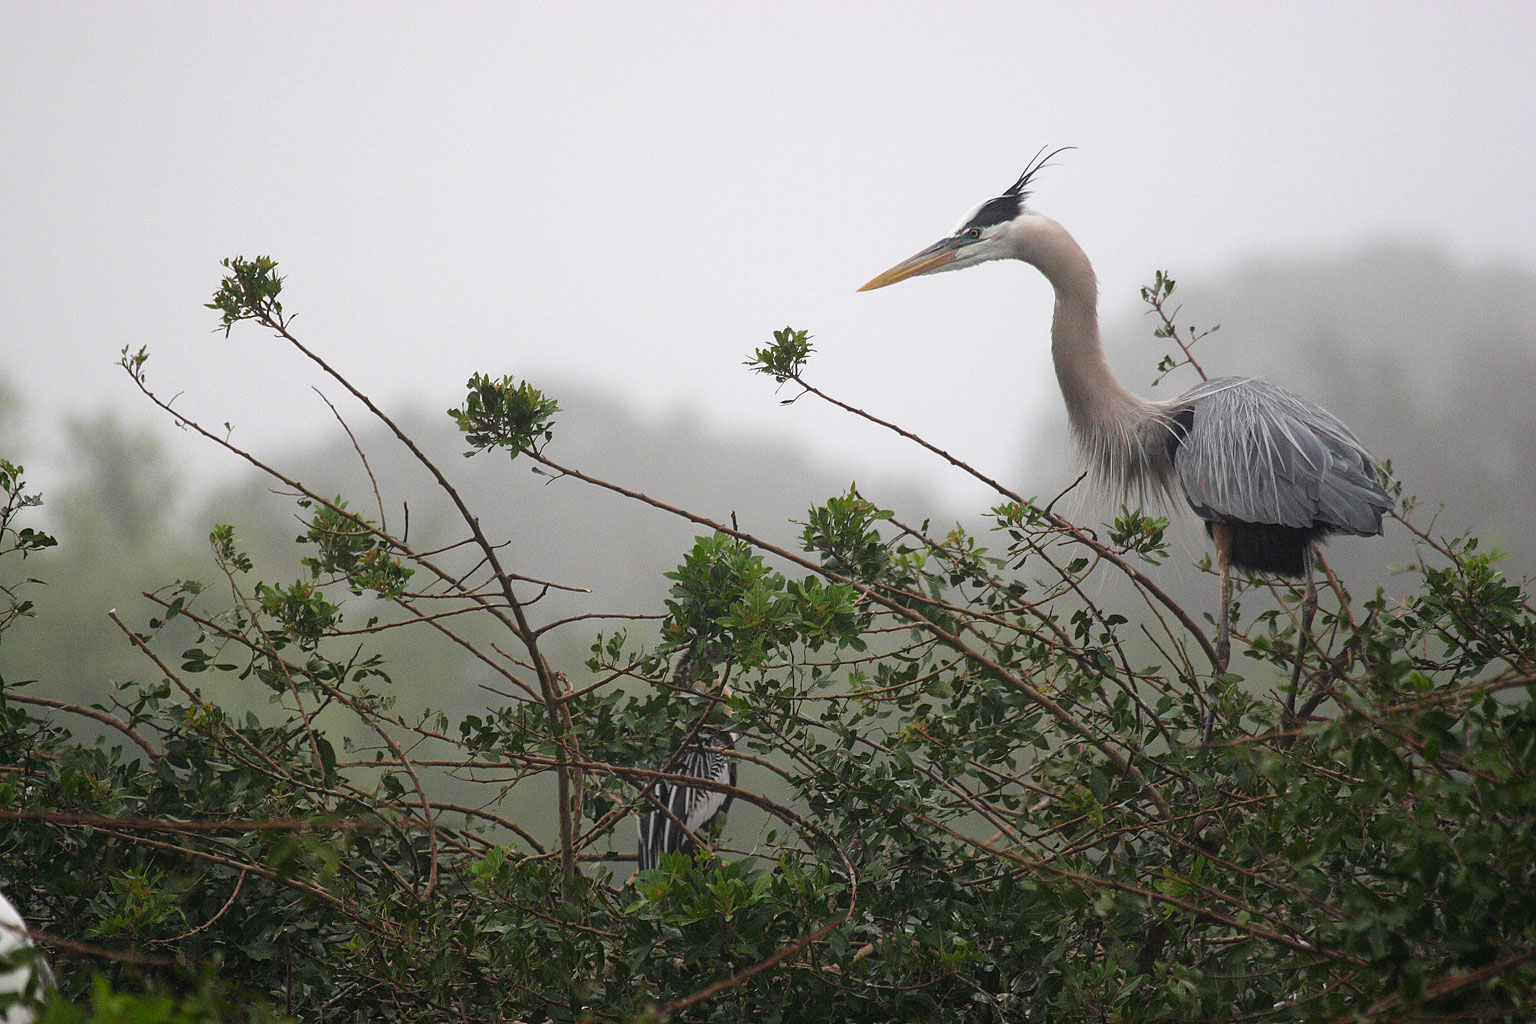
x=121, y=956
x=373, y=480
x=1395, y=1004
x=203, y=827
x=1075, y=532
x=239, y=884
x=561, y=727
x=993, y=668
x=667, y=1010
x=559, y=716
x=92, y=713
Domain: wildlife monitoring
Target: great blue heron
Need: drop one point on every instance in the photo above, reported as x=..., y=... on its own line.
x=1269, y=472
x=681, y=811
x=24, y=974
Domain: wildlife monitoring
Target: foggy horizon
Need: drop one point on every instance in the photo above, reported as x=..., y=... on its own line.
x=636, y=199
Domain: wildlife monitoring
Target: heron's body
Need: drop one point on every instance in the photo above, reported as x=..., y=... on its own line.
x=663, y=832
x=1307, y=477
x=1279, y=471
x=1269, y=472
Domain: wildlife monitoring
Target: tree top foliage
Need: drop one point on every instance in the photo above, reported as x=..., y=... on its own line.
x=978, y=781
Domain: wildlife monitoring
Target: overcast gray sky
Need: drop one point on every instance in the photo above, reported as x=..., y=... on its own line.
x=634, y=195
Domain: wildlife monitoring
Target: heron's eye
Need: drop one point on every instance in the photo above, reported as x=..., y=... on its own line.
x=973, y=233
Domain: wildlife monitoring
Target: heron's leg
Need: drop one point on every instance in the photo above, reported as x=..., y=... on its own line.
x=1223, y=648
x=1303, y=638
x=1224, y=620
x=1221, y=535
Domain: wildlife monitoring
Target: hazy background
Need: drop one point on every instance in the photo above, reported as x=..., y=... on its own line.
x=619, y=202
x=633, y=195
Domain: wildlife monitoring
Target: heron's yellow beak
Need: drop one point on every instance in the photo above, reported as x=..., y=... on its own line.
x=937, y=255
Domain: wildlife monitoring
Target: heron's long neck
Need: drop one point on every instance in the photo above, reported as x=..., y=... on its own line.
x=1107, y=420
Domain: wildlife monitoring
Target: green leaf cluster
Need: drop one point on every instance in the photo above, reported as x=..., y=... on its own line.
x=248, y=292
x=352, y=548
x=17, y=540
x=725, y=599
x=505, y=413
x=785, y=359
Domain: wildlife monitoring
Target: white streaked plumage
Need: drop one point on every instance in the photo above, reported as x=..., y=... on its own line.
x=708, y=757
x=24, y=974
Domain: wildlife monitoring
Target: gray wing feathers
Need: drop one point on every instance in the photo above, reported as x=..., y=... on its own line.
x=1257, y=453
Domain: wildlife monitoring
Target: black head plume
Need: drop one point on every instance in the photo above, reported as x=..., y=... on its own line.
x=1020, y=188
x=1011, y=203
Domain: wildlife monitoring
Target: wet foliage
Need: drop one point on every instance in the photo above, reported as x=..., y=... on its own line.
x=973, y=787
